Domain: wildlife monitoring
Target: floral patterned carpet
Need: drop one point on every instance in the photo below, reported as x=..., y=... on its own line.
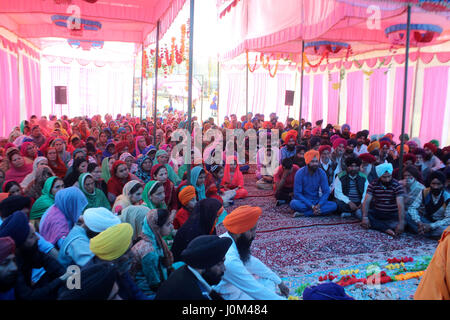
x=301, y=249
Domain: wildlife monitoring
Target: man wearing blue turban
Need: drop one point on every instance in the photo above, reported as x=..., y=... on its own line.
x=388, y=212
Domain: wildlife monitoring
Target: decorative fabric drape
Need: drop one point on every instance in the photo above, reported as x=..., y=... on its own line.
x=333, y=98
x=377, y=101
x=398, y=100
x=434, y=98
x=355, y=100
x=317, y=105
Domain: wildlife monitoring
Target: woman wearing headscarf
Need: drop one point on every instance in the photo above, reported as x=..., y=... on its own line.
x=60, y=145
x=107, y=164
x=159, y=173
x=162, y=157
x=154, y=195
x=12, y=188
x=129, y=160
x=60, y=218
x=135, y=216
x=140, y=146
x=79, y=166
x=131, y=196
x=198, y=176
x=95, y=197
x=110, y=149
x=18, y=169
x=38, y=162
x=119, y=177
x=28, y=151
x=153, y=259
x=55, y=163
x=202, y=221
x=144, y=164
x=34, y=189
x=51, y=186
x=233, y=179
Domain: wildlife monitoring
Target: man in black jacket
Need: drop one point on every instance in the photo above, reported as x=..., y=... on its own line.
x=28, y=257
x=204, y=258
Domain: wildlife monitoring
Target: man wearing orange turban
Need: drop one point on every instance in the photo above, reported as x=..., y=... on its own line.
x=246, y=277
x=290, y=142
x=307, y=182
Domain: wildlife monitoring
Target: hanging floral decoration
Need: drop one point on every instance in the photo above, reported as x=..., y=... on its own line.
x=435, y=5
x=265, y=63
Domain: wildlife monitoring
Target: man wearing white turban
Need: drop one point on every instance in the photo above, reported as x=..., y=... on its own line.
x=388, y=212
x=75, y=248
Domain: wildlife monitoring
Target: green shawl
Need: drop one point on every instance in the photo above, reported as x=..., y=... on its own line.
x=45, y=201
x=106, y=173
x=96, y=199
x=146, y=198
x=172, y=175
x=200, y=190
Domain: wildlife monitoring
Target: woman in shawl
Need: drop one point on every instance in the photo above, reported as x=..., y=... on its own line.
x=95, y=197
x=131, y=196
x=51, y=186
x=60, y=145
x=213, y=185
x=135, y=215
x=154, y=196
x=12, y=188
x=109, y=150
x=162, y=157
x=119, y=177
x=233, y=179
x=152, y=257
x=129, y=160
x=144, y=164
x=96, y=172
x=159, y=139
x=102, y=141
x=202, y=221
x=28, y=151
x=159, y=173
x=60, y=218
x=198, y=176
x=38, y=162
x=34, y=189
x=79, y=167
x=140, y=146
x=55, y=163
x=18, y=169
x=84, y=130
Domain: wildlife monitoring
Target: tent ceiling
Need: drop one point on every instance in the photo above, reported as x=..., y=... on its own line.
x=121, y=20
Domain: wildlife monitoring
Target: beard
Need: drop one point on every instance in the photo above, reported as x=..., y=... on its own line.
x=211, y=277
x=386, y=184
x=313, y=168
x=243, y=245
x=435, y=191
x=290, y=147
x=427, y=157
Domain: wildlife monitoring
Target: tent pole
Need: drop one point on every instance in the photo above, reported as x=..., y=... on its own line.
x=301, y=96
x=191, y=60
x=158, y=25
x=246, y=90
x=411, y=116
x=405, y=87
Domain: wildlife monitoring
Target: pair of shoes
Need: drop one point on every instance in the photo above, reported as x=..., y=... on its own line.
x=298, y=214
x=280, y=202
x=346, y=215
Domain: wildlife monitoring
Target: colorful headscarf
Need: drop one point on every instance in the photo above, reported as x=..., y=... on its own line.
x=45, y=201
x=145, y=196
x=96, y=199
x=200, y=190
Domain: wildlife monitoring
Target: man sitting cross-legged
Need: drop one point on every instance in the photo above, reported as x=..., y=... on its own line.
x=386, y=194
x=350, y=189
x=284, y=181
x=308, y=180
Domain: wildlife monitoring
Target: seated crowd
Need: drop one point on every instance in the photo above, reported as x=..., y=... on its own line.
x=110, y=198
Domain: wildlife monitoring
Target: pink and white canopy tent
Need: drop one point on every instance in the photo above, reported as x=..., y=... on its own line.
x=278, y=28
x=23, y=23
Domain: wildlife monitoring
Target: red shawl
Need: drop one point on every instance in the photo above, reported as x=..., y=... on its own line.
x=58, y=167
x=115, y=185
x=238, y=178
x=169, y=189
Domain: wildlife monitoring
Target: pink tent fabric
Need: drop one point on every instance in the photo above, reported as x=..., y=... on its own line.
x=433, y=108
x=121, y=20
x=283, y=82
x=9, y=92
x=317, y=105
x=257, y=98
x=333, y=99
x=377, y=101
x=305, y=103
x=398, y=101
x=355, y=100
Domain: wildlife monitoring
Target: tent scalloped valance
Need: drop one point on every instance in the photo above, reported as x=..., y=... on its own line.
x=84, y=62
x=19, y=45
